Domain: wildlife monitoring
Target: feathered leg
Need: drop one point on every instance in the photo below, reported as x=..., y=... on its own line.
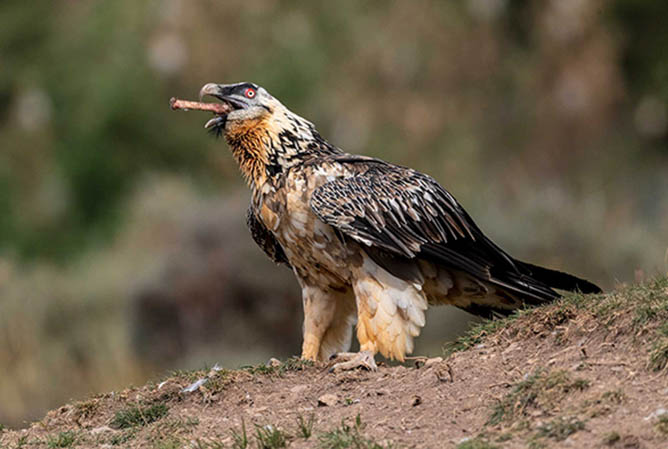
x=339, y=334
x=328, y=319
x=390, y=312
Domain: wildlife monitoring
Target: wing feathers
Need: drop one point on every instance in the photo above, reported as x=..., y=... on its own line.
x=265, y=239
x=410, y=215
x=403, y=207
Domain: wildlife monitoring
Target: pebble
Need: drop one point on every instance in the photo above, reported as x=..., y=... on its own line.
x=658, y=412
x=298, y=388
x=273, y=363
x=101, y=429
x=328, y=400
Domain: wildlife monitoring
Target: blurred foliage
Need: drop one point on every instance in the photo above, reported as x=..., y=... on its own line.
x=86, y=121
x=467, y=89
x=644, y=39
x=548, y=120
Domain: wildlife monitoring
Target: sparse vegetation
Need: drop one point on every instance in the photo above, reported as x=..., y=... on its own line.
x=168, y=443
x=63, y=439
x=476, y=443
x=279, y=368
x=614, y=396
x=166, y=431
x=295, y=364
x=123, y=437
x=649, y=301
x=477, y=334
x=85, y=409
x=218, y=382
x=348, y=436
x=138, y=416
x=504, y=437
x=305, y=426
x=536, y=444
x=560, y=428
x=611, y=438
x=538, y=410
x=541, y=390
x=240, y=438
x=603, y=404
x=200, y=444
x=662, y=424
x=658, y=357
x=270, y=437
x=22, y=441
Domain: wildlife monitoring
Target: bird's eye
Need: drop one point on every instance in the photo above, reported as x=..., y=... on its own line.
x=249, y=93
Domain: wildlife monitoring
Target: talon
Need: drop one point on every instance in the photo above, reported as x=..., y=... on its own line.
x=353, y=360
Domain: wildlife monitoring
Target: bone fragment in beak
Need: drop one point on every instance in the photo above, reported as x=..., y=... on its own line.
x=216, y=108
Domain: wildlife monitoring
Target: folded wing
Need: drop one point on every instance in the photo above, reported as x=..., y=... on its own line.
x=409, y=215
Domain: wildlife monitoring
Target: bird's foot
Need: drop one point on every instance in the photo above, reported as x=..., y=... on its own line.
x=346, y=361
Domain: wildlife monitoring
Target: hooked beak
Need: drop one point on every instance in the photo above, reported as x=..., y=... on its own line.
x=213, y=89
x=222, y=92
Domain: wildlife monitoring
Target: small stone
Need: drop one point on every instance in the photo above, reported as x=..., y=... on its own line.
x=657, y=413
x=273, y=363
x=416, y=400
x=298, y=388
x=444, y=374
x=327, y=400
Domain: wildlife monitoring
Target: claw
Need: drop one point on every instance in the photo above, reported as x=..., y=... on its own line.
x=353, y=360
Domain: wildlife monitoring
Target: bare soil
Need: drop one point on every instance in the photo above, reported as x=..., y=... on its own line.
x=586, y=372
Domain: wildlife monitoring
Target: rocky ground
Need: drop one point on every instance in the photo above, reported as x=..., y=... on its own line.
x=585, y=372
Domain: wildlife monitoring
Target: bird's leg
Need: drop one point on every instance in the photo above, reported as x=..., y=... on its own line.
x=319, y=311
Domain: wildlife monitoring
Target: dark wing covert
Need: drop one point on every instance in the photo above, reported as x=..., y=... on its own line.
x=408, y=214
x=265, y=239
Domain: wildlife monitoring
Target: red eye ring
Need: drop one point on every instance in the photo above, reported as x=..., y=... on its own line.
x=249, y=93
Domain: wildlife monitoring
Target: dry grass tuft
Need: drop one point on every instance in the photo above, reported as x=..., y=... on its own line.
x=541, y=391
x=138, y=416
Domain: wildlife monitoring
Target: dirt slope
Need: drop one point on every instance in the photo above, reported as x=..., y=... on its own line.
x=588, y=371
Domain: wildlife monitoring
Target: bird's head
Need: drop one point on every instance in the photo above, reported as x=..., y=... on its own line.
x=249, y=106
x=265, y=137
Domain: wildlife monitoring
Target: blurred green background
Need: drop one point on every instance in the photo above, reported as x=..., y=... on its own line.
x=123, y=251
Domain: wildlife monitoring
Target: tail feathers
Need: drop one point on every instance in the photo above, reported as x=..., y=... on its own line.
x=533, y=285
x=559, y=280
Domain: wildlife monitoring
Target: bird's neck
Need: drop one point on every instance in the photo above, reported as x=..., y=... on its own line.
x=267, y=149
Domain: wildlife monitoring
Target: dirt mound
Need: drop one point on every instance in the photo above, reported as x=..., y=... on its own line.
x=587, y=371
